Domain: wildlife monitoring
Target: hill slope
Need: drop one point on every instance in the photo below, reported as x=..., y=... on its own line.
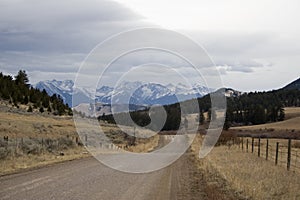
x=17, y=92
x=294, y=85
x=292, y=122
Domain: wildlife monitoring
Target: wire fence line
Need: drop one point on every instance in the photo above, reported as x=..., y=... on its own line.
x=283, y=152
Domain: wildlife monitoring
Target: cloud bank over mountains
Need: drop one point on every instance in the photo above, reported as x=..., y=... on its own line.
x=50, y=39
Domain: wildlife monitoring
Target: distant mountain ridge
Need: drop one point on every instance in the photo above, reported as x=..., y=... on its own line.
x=135, y=93
x=294, y=85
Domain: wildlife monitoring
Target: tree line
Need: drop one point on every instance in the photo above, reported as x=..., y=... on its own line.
x=17, y=91
x=142, y=118
x=247, y=109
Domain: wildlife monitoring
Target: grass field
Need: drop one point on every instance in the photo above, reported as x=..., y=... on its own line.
x=289, y=128
x=38, y=139
x=255, y=177
x=248, y=175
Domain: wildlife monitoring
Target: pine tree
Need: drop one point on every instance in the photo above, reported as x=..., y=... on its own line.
x=281, y=114
x=21, y=78
x=49, y=109
x=201, y=117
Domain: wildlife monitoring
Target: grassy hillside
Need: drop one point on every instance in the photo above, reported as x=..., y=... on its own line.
x=37, y=139
x=18, y=93
x=291, y=123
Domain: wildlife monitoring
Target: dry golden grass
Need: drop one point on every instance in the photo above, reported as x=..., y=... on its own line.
x=16, y=164
x=25, y=125
x=37, y=126
x=292, y=122
x=145, y=145
x=254, y=177
x=292, y=112
x=282, y=153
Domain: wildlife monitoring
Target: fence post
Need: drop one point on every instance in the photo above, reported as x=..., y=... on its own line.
x=252, y=145
x=289, y=154
x=85, y=138
x=242, y=144
x=258, y=147
x=6, y=140
x=247, y=145
x=276, y=156
x=267, y=150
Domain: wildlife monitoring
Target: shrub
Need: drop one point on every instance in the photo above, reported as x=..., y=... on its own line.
x=3, y=143
x=30, y=147
x=296, y=145
x=4, y=152
x=30, y=109
x=50, y=145
x=41, y=109
x=65, y=143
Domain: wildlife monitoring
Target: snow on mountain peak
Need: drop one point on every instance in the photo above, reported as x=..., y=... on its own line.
x=139, y=93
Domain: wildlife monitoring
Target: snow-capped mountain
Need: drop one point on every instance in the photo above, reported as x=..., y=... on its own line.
x=66, y=90
x=140, y=93
x=134, y=93
x=62, y=88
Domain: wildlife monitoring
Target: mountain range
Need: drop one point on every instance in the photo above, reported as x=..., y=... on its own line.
x=134, y=93
x=138, y=95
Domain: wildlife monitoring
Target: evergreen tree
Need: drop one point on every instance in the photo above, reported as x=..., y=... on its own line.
x=49, y=109
x=201, y=117
x=17, y=91
x=21, y=78
x=281, y=114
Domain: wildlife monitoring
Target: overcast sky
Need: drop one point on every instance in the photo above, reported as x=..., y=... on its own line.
x=255, y=44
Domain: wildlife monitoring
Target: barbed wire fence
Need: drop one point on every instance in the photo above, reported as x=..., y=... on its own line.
x=283, y=152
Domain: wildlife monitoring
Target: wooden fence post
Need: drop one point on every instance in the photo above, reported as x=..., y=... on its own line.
x=247, y=145
x=258, y=151
x=242, y=144
x=267, y=150
x=289, y=155
x=85, y=139
x=6, y=140
x=252, y=145
x=276, y=156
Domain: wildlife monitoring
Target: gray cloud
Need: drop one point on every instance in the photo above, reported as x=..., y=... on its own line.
x=50, y=39
x=66, y=26
x=244, y=52
x=52, y=36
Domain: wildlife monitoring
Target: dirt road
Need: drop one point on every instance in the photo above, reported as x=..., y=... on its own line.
x=89, y=179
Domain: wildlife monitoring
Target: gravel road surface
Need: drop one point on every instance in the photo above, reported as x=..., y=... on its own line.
x=89, y=179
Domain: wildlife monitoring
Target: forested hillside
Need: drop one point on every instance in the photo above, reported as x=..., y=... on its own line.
x=294, y=85
x=246, y=109
x=17, y=91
